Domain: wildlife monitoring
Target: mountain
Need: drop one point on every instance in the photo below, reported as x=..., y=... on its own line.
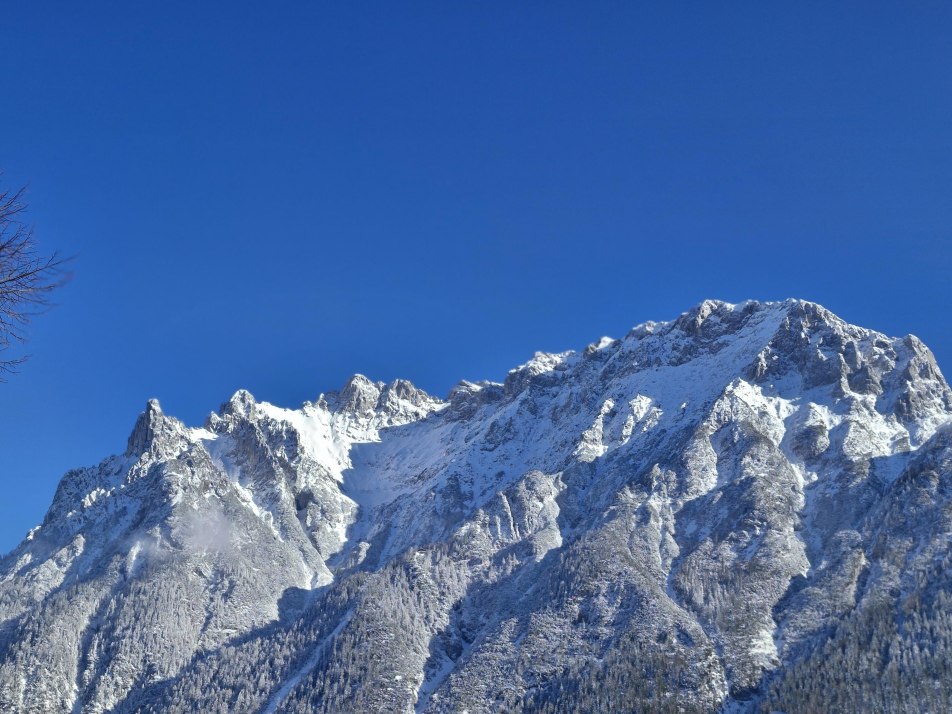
x=746, y=509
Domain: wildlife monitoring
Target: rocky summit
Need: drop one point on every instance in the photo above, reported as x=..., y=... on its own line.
x=745, y=509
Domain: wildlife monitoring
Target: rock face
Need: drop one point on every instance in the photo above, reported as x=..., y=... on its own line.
x=748, y=508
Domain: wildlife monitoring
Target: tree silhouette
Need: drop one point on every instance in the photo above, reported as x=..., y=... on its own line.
x=27, y=277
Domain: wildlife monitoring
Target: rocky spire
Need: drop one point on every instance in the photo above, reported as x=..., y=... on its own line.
x=144, y=432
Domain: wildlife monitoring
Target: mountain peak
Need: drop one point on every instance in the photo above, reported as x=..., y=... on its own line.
x=397, y=402
x=147, y=425
x=241, y=403
x=359, y=395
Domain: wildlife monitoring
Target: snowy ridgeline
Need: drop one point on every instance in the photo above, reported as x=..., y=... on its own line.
x=744, y=509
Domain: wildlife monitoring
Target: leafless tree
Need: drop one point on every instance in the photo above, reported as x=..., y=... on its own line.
x=27, y=277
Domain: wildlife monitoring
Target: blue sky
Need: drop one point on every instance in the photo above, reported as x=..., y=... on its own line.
x=276, y=195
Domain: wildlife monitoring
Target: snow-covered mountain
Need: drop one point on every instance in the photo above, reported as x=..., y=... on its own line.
x=748, y=508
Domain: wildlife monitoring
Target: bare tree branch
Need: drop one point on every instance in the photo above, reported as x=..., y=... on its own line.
x=27, y=277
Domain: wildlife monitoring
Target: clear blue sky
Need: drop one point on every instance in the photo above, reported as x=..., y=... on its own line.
x=276, y=195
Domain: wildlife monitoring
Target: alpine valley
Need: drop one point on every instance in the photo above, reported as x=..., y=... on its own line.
x=746, y=509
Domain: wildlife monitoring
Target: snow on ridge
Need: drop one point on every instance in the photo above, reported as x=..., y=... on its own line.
x=723, y=396
x=543, y=362
x=323, y=436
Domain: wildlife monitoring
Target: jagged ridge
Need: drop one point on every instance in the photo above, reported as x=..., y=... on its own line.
x=679, y=516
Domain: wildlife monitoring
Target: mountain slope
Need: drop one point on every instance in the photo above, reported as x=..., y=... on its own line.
x=698, y=515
